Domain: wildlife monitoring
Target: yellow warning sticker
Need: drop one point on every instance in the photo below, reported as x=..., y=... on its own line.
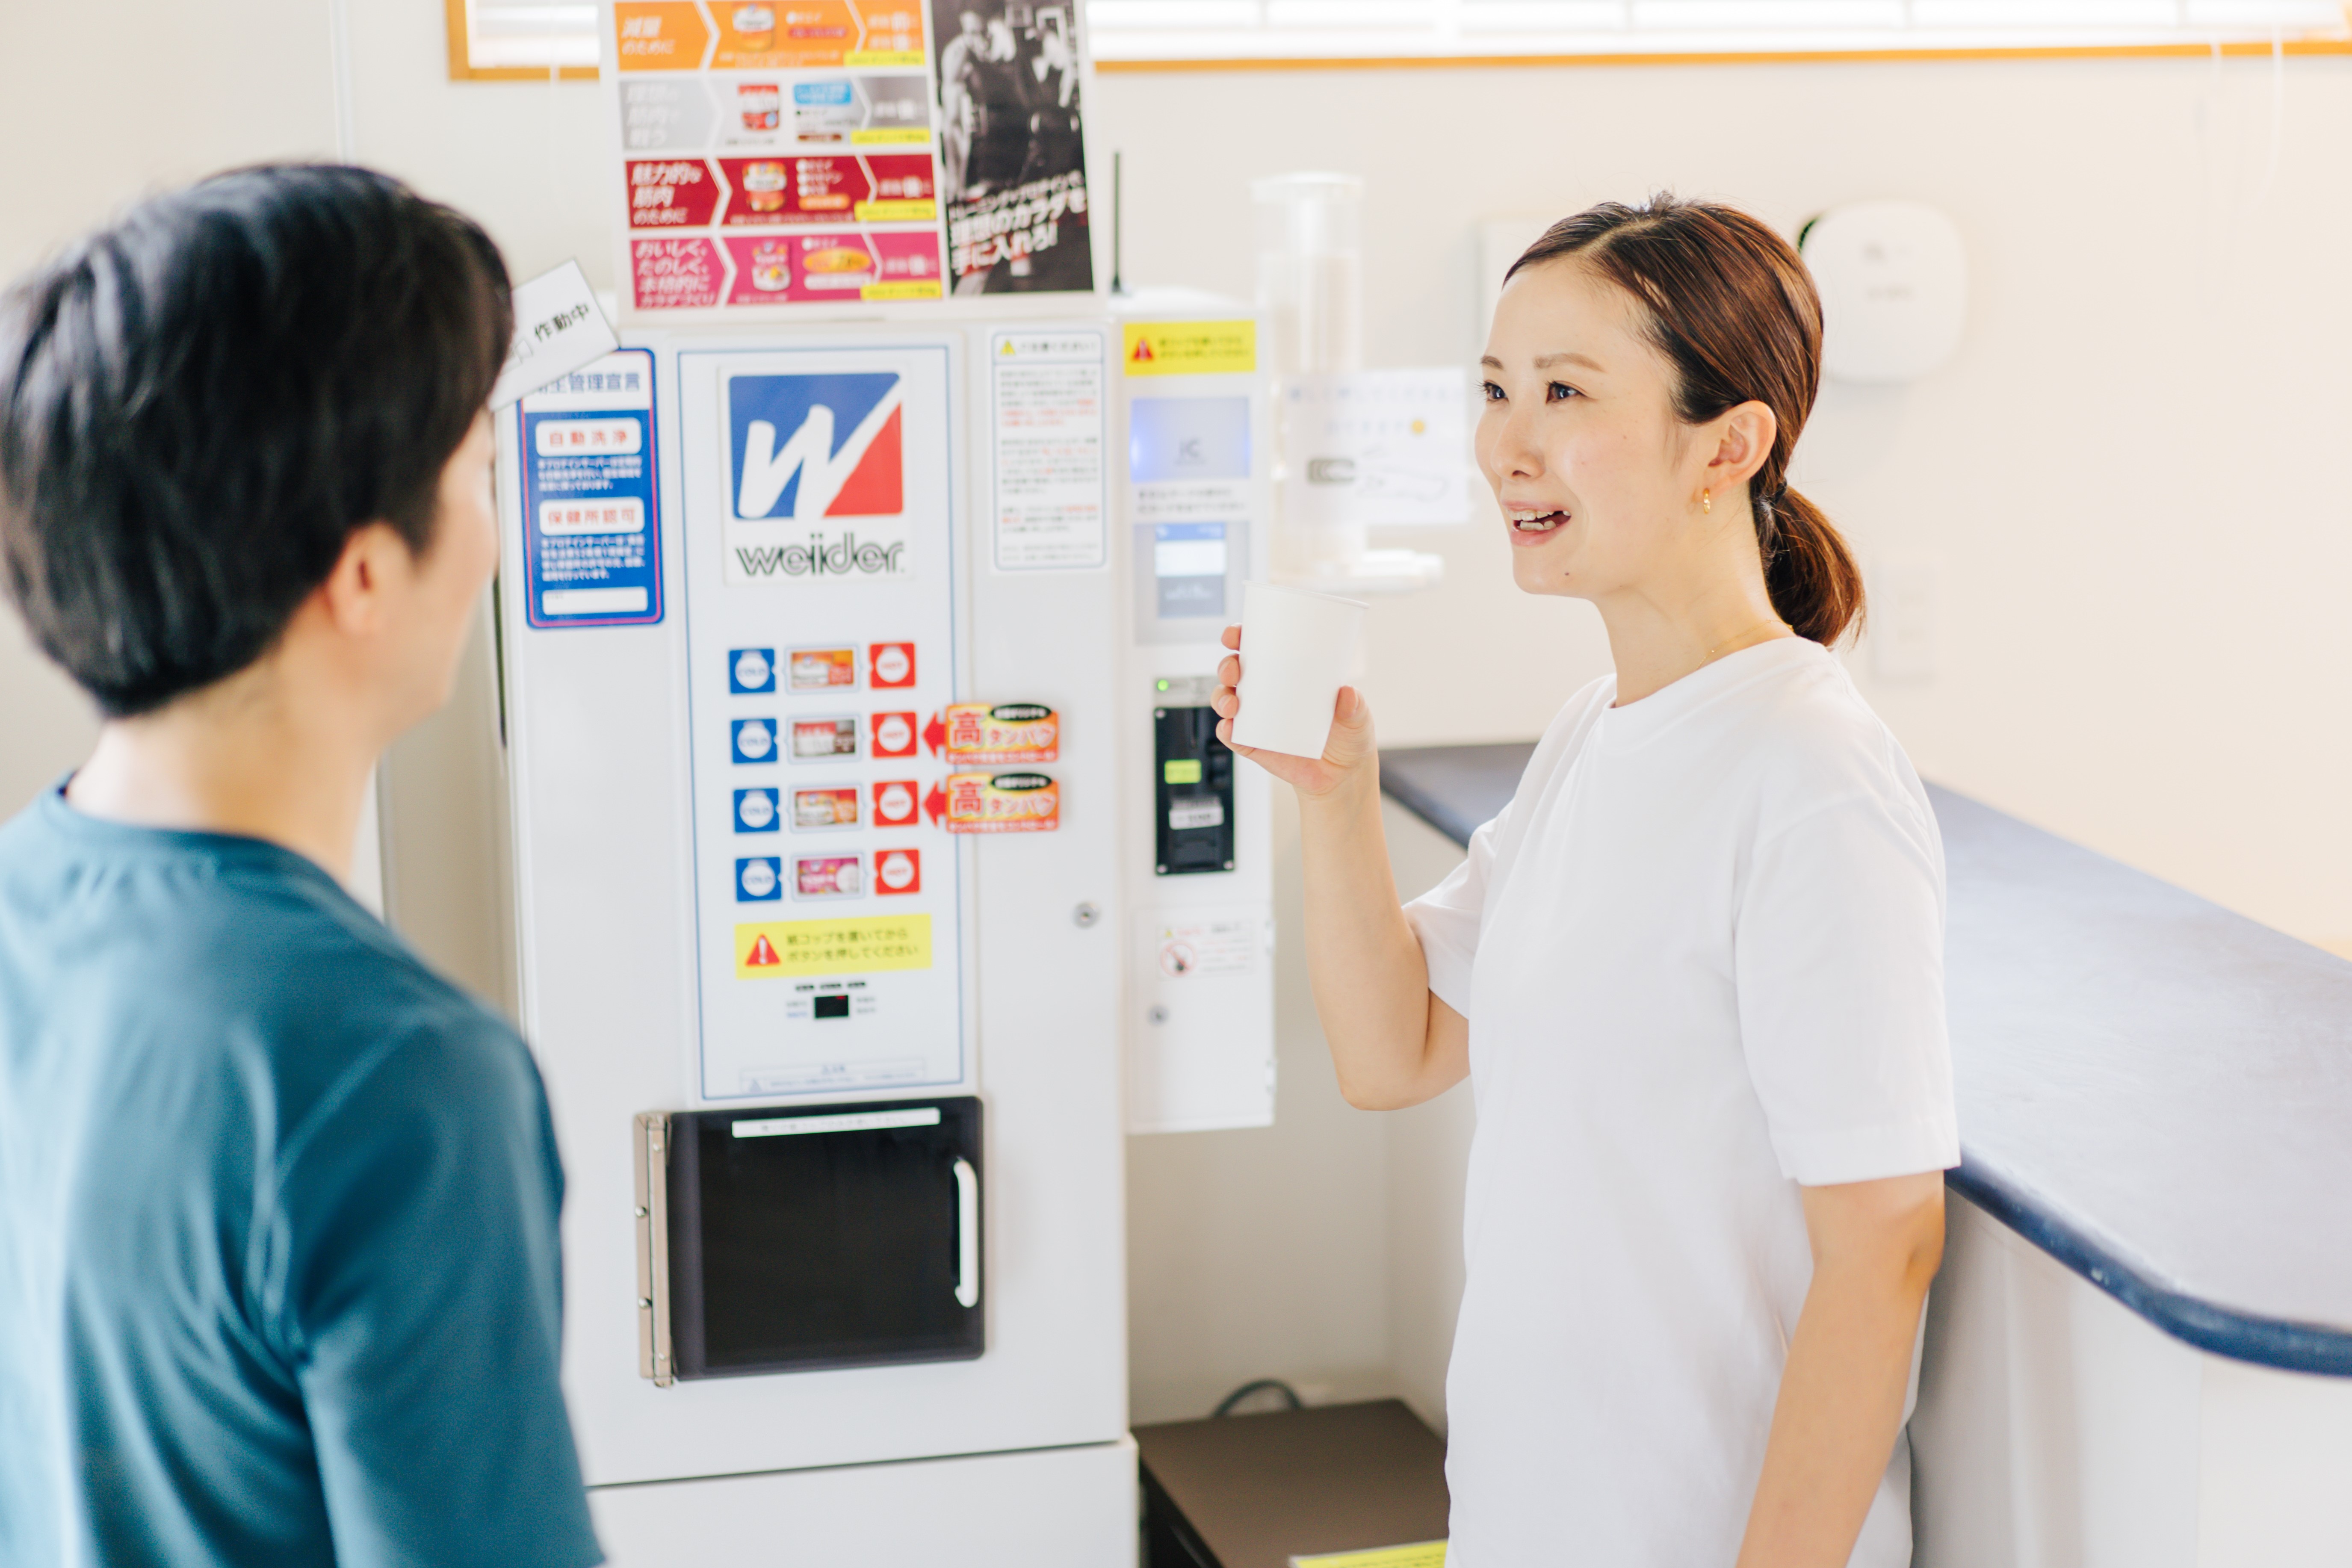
x=1189, y=348
x=1419, y=1554
x=779, y=950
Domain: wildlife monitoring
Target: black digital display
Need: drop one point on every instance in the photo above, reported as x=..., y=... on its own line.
x=834, y=1007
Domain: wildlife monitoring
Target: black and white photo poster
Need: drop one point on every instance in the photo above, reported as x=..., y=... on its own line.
x=1014, y=173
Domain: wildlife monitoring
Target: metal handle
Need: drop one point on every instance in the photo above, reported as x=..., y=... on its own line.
x=967, y=1234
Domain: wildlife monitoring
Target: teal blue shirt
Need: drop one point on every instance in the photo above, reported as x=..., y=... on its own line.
x=278, y=1269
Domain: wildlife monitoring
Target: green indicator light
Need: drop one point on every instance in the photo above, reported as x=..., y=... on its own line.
x=1181, y=771
x=1162, y=685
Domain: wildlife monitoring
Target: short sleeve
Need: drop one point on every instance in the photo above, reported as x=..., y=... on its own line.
x=1840, y=965
x=1446, y=919
x=423, y=1307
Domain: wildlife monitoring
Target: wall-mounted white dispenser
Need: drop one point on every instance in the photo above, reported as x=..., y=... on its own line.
x=1893, y=279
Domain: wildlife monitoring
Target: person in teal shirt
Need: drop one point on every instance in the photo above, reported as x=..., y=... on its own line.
x=279, y=1273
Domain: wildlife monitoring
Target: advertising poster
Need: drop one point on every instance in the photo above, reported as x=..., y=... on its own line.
x=776, y=154
x=1013, y=146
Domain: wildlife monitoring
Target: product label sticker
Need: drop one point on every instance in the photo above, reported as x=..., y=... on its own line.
x=1189, y=348
x=828, y=876
x=751, y=670
x=820, y=810
x=821, y=740
x=752, y=739
x=896, y=735
x=591, y=522
x=890, y=664
x=1211, y=944
x=1001, y=803
x=897, y=803
x=823, y=669
x=898, y=871
x=967, y=732
x=759, y=879
x=755, y=811
x=781, y=950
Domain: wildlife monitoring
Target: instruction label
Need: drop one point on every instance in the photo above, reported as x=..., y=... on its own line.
x=1048, y=450
x=785, y=950
x=1189, y=348
x=591, y=522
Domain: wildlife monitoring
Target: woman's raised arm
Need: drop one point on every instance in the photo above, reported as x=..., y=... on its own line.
x=1393, y=1043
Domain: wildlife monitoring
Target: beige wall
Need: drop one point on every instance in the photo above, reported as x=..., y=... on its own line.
x=2126, y=478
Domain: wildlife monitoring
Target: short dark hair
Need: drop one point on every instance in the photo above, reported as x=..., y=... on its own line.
x=202, y=401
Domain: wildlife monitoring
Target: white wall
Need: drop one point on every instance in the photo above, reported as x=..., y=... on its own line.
x=2126, y=477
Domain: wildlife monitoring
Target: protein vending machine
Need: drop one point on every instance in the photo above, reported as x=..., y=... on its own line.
x=815, y=729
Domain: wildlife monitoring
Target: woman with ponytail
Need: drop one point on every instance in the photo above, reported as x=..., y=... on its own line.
x=1694, y=968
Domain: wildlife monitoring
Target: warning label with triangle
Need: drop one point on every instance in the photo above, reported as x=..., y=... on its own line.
x=762, y=954
x=1189, y=348
x=1142, y=355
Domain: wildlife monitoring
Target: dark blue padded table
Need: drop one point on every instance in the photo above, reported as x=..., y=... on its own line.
x=2153, y=1091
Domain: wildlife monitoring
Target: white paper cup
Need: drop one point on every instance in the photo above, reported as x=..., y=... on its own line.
x=1297, y=650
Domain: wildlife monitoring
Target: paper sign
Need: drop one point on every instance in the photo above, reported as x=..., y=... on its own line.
x=592, y=523
x=1048, y=450
x=558, y=328
x=1383, y=446
x=1420, y=1554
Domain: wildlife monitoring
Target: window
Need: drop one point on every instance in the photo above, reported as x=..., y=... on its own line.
x=527, y=39
x=1142, y=31
x=520, y=40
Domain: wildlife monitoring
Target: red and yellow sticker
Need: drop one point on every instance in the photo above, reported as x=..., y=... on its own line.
x=997, y=803
x=967, y=732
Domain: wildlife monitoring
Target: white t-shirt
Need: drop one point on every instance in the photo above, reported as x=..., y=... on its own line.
x=1702, y=955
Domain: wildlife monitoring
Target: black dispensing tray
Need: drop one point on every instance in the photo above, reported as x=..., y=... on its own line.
x=791, y=1238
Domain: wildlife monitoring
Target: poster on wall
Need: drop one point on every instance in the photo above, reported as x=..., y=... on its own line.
x=844, y=152
x=1013, y=146
x=775, y=154
x=822, y=562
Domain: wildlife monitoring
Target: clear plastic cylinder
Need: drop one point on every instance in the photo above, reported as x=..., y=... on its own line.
x=1310, y=270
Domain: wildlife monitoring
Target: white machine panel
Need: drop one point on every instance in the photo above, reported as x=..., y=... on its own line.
x=822, y=532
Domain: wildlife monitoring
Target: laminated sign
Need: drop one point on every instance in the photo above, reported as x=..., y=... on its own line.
x=969, y=732
x=1000, y=803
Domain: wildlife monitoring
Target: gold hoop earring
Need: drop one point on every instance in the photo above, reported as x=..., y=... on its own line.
x=1706, y=502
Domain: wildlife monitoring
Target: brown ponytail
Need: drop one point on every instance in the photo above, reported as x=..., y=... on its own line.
x=1730, y=305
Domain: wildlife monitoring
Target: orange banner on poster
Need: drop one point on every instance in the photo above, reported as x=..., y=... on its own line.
x=658, y=36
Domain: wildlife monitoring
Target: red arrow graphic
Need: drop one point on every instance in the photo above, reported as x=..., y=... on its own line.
x=936, y=803
x=935, y=734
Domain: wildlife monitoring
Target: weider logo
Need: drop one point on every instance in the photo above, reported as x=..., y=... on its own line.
x=804, y=450
x=846, y=556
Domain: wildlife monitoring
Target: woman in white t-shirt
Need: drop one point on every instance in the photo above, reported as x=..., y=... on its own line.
x=1694, y=970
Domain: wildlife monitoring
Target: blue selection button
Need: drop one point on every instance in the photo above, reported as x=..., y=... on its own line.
x=755, y=740
x=751, y=669
x=759, y=879
x=755, y=811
